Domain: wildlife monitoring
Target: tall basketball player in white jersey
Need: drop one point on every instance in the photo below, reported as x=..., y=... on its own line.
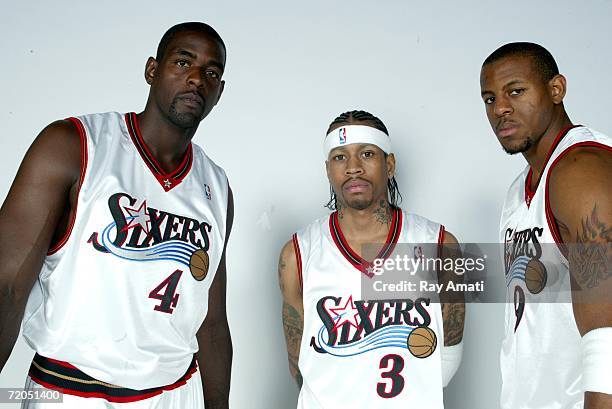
x=346, y=352
x=113, y=246
x=556, y=229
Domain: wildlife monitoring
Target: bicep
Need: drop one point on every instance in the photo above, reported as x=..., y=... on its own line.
x=582, y=204
x=289, y=278
x=37, y=200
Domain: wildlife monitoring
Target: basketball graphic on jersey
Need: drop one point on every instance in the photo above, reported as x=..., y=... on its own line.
x=198, y=264
x=422, y=342
x=535, y=276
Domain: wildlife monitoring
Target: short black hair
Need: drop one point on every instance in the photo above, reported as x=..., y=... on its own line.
x=350, y=117
x=542, y=59
x=182, y=27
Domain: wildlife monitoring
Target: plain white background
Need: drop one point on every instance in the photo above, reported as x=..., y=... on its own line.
x=291, y=69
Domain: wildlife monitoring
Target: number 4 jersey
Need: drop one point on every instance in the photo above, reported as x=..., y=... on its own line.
x=354, y=353
x=123, y=294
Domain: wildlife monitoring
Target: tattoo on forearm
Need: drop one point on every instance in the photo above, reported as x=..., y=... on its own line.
x=281, y=268
x=293, y=326
x=453, y=317
x=590, y=257
x=383, y=212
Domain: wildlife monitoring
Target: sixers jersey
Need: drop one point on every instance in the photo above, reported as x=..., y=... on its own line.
x=354, y=353
x=123, y=294
x=540, y=357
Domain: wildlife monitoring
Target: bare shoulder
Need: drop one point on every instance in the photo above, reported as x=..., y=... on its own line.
x=288, y=274
x=58, y=149
x=580, y=181
x=449, y=238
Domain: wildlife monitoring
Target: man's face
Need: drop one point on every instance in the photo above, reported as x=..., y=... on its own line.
x=359, y=174
x=186, y=84
x=519, y=104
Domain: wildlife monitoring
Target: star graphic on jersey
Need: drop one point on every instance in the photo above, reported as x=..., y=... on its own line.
x=345, y=314
x=138, y=217
x=167, y=183
x=369, y=271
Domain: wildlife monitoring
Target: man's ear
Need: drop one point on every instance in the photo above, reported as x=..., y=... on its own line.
x=558, y=87
x=390, y=165
x=150, y=68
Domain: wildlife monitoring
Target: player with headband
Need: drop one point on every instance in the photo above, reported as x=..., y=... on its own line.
x=555, y=226
x=336, y=342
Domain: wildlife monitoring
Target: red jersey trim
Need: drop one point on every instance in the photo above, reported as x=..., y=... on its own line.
x=550, y=218
x=529, y=193
x=298, y=259
x=355, y=259
x=167, y=180
x=83, y=141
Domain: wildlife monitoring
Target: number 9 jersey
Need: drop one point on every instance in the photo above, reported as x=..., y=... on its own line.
x=123, y=293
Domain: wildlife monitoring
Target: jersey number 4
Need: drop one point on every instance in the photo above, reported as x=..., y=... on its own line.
x=394, y=365
x=168, y=297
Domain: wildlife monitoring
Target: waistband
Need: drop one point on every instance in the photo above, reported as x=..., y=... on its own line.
x=62, y=376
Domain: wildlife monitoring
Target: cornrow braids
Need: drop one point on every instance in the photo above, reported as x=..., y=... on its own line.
x=349, y=117
x=358, y=116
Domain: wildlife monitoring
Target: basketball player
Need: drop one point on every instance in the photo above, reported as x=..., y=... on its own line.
x=114, y=233
x=341, y=350
x=554, y=355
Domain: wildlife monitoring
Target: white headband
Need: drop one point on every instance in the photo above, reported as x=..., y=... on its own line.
x=346, y=135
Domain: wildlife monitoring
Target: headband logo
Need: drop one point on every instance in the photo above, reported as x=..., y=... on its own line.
x=342, y=135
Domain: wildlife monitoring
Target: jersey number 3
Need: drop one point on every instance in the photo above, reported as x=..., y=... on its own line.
x=396, y=364
x=168, y=297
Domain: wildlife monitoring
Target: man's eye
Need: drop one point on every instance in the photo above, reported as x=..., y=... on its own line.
x=182, y=63
x=489, y=100
x=338, y=157
x=517, y=91
x=212, y=74
x=368, y=154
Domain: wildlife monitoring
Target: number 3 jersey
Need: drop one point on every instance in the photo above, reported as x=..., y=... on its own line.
x=354, y=353
x=540, y=357
x=123, y=293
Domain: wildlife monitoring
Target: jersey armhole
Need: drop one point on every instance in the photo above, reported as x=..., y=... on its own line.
x=298, y=259
x=550, y=217
x=83, y=141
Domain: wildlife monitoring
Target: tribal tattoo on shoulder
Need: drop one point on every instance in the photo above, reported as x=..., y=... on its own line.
x=590, y=258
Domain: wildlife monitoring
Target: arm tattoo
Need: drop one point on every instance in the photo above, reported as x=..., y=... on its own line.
x=281, y=268
x=293, y=327
x=590, y=256
x=453, y=316
x=383, y=213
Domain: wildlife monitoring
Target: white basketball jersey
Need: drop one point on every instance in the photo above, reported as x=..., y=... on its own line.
x=354, y=353
x=540, y=357
x=116, y=297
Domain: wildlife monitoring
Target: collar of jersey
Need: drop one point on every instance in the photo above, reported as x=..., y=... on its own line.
x=355, y=259
x=167, y=180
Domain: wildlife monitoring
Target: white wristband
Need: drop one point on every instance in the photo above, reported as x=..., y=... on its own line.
x=451, y=358
x=596, y=348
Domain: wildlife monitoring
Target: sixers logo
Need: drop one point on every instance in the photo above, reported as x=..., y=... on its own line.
x=356, y=327
x=352, y=328
x=522, y=253
x=142, y=233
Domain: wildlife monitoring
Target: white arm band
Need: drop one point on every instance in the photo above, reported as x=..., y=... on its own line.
x=451, y=358
x=597, y=360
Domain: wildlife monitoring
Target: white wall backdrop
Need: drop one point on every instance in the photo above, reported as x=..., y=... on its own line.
x=291, y=68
